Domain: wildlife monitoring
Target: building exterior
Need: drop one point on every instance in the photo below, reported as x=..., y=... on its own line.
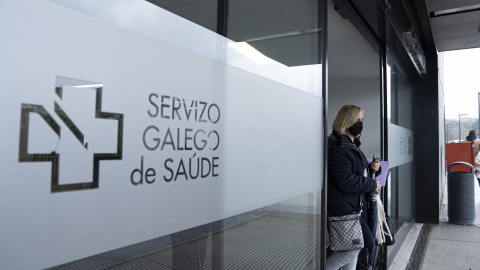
x=192, y=134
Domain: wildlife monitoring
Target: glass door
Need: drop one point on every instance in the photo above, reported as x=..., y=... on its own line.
x=400, y=182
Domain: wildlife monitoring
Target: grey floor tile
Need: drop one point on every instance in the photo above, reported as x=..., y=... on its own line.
x=464, y=255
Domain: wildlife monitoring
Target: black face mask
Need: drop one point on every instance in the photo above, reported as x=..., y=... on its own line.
x=356, y=128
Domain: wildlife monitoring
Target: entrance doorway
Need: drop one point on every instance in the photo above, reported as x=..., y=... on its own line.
x=354, y=78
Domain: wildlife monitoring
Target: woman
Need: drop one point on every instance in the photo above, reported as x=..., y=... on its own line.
x=349, y=183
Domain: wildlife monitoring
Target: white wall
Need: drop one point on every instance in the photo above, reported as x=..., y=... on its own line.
x=366, y=94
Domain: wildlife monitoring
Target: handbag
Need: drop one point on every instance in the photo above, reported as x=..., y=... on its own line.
x=388, y=232
x=345, y=232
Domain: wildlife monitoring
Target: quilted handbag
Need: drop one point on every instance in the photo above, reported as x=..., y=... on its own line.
x=345, y=232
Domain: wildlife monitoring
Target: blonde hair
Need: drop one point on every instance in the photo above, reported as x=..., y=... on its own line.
x=346, y=117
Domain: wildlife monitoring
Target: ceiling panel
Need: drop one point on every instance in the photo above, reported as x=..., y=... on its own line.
x=457, y=31
x=437, y=5
x=455, y=24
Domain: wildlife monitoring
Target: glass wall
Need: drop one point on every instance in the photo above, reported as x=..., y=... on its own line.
x=161, y=134
x=400, y=145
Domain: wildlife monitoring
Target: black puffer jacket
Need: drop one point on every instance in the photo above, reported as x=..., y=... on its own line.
x=347, y=185
x=471, y=138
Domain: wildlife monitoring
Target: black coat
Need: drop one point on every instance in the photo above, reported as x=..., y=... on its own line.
x=347, y=185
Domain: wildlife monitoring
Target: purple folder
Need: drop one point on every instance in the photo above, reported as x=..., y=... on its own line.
x=382, y=178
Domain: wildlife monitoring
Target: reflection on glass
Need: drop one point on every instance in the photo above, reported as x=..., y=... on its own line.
x=277, y=41
x=288, y=39
x=289, y=36
x=399, y=97
x=250, y=52
x=401, y=180
x=279, y=236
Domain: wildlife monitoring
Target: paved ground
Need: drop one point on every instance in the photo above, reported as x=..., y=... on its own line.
x=454, y=246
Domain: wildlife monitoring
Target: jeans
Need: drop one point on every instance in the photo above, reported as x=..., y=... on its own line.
x=342, y=258
x=362, y=261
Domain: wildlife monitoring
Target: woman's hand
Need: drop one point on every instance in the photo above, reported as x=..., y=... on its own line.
x=375, y=164
x=379, y=187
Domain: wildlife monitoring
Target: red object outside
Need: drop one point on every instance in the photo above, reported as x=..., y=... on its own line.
x=460, y=152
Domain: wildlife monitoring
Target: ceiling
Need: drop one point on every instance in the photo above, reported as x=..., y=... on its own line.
x=455, y=23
